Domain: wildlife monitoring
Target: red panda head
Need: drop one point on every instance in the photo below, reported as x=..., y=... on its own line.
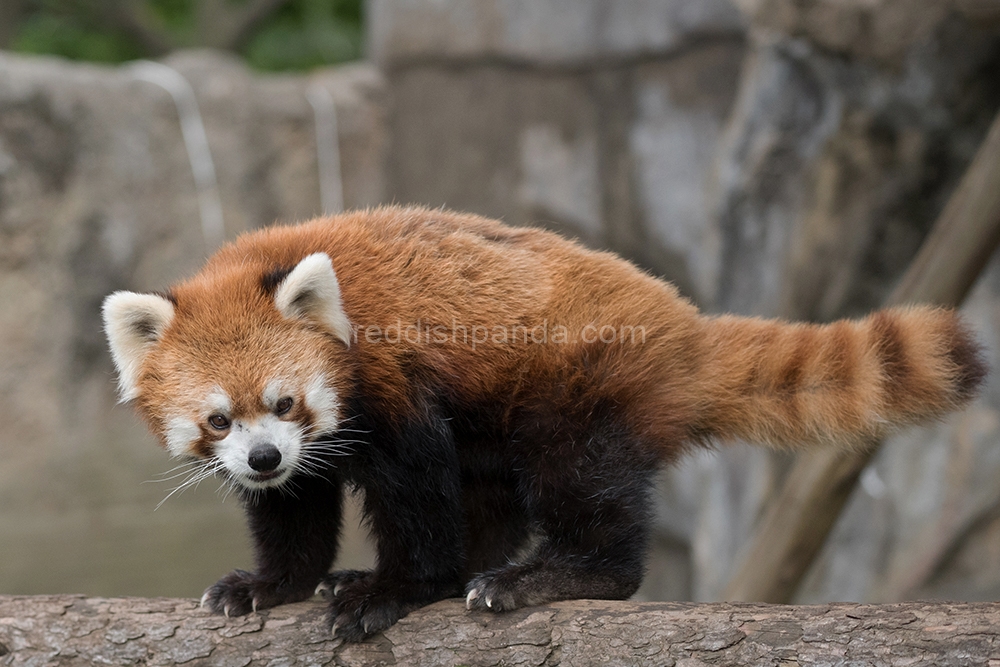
x=242, y=366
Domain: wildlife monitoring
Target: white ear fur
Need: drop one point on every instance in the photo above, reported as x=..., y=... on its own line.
x=311, y=292
x=133, y=323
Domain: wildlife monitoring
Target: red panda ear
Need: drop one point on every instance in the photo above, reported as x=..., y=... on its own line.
x=133, y=323
x=311, y=292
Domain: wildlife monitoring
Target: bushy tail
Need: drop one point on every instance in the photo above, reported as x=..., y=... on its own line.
x=847, y=382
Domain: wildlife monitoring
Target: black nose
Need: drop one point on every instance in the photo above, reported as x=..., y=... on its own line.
x=264, y=458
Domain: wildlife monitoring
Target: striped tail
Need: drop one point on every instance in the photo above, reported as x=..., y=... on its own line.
x=847, y=382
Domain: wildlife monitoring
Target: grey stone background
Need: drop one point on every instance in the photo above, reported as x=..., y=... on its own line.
x=773, y=157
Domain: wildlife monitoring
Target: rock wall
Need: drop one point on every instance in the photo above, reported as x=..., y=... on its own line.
x=597, y=118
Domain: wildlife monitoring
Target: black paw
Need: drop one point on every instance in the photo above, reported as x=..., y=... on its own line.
x=503, y=589
x=540, y=582
x=360, y=605
x=333, y=582
x=241, y=592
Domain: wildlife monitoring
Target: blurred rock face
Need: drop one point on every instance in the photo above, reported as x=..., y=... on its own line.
x=791, y=172
x=552, y=32
x=596, y=118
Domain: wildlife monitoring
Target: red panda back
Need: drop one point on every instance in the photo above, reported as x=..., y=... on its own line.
x=686, y=376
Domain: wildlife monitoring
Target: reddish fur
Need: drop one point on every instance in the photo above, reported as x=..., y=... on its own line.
x=694, y=378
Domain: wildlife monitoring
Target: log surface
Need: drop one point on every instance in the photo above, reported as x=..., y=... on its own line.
x=76, y=630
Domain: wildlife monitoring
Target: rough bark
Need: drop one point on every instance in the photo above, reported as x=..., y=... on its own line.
x=74, y=630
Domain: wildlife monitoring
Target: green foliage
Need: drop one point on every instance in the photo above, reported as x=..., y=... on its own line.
x=58, y=34
x=177, y=14
x=302, y=34
x=308, y=33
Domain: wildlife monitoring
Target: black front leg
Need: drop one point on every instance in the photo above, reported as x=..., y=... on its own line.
x=295, y=531
x=413, y=505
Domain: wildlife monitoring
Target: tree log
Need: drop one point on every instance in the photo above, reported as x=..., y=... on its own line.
x=76, y=630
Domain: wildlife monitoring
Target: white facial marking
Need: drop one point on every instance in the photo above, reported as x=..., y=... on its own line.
x=218, y=401
x=272, y=392
x=322, y=400
x=180, y=434
x=234, y=449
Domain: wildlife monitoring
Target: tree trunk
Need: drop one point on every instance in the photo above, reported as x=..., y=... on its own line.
x=75, y=630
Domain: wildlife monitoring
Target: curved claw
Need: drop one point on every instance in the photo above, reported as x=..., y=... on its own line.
x=473, y=594
x=204, y=600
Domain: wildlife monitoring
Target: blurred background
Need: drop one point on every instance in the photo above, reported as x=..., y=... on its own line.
x=771, y=157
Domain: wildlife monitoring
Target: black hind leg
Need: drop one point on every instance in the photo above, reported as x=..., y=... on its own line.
x=591, y=504
x=497, y=524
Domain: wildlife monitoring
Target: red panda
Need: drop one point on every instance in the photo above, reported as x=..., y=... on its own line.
x=482, y=384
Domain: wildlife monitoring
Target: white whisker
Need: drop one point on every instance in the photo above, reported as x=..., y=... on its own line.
x=202, y=471
x=184, y=468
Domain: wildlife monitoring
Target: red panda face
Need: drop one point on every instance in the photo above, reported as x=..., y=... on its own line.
x=236, y=373
x=259, y=433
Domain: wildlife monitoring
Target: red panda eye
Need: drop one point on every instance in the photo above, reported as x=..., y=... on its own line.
x=283, y=405
x=219, y=422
